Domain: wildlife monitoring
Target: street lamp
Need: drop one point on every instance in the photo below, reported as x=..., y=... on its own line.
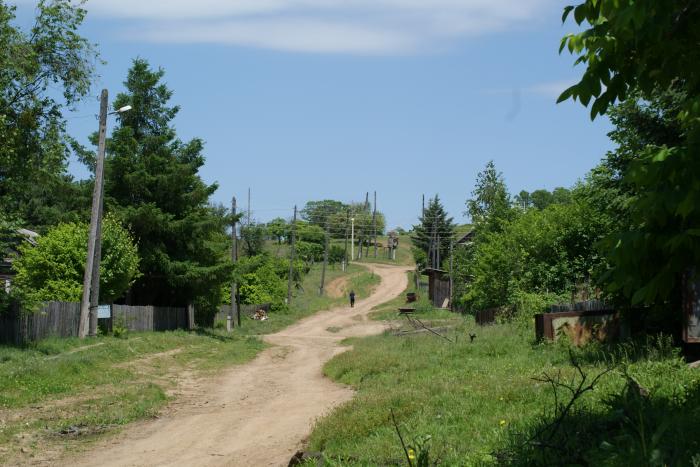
x=91, y=279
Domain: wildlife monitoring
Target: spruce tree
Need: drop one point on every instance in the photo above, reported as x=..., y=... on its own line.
x=431, y=238
x=152, y=182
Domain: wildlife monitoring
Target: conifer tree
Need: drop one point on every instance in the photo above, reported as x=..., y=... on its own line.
x=153, y=183
x=431, y=238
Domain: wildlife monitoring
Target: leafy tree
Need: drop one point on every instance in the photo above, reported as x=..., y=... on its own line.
x=43, y=71
x=336, y=254
x=318, y=212
x=631, y=51
x=541, y=199
x=253, y=239
x=310, y=233
x=523, y=200
x=53, y=269
x=153, y=183
x=490, y=208
x=309, y=252
x=432, y=235
x=278, y=228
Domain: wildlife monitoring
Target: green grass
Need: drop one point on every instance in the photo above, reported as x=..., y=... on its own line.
x=307, y=301
x=478, y=400
x=96, y=385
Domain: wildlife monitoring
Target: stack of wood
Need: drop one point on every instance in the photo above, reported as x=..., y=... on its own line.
x=260, y=315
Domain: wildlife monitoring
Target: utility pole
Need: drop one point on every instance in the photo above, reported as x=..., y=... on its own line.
x=249, y=207
x=291, y=258
x=234, y=260
x=423, y=211
x=437, y=252
x=374, y=223
x=90, y=289
x=452, y=280
x=347, y=228
x=352, y=241
x=325, y=259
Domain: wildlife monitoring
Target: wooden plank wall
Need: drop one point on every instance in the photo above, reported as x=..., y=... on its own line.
x=61, y=319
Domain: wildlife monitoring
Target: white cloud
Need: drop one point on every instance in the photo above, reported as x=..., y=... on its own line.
x=326, y=26
x=551, y=89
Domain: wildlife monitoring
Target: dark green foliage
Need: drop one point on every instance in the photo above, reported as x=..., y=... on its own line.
x=263, y=279
x=336, y=254
x=644, y=55
x=152, y=183
x=253, y=239
x=490, y=206
x=432, y=235
x=319, y=212
x=278, y=229
x=43, y=71
x=309, y=252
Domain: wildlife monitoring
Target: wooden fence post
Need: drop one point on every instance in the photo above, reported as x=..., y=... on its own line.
x=190, y=317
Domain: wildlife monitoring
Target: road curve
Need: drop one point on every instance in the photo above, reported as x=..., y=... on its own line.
x=257, y=414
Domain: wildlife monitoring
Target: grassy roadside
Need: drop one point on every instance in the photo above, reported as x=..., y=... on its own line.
x=478, y=404
x=62, y=394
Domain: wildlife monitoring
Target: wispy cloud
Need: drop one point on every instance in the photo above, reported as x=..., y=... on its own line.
x=323, y=26
x=551, y=89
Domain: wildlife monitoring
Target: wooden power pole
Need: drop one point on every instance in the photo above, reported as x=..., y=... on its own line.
x=374, y=224
x=291, y=258
x=452, y=280
x=347, y=227
x=90, y=289
x=234, y=259
x=325, y=258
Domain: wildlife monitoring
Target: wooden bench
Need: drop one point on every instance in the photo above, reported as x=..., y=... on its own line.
x=406, y=311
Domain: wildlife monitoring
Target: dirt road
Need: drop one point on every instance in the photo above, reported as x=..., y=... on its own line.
x=257, y=414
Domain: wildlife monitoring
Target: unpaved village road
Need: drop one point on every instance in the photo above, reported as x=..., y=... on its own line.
x=257, y=414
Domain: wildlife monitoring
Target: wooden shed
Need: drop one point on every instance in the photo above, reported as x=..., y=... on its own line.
x=439, y=291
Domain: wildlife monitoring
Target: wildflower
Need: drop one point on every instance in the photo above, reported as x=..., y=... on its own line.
x=502, y=423
x=411, y=454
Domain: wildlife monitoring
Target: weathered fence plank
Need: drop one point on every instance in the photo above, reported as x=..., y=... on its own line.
x=61, y=319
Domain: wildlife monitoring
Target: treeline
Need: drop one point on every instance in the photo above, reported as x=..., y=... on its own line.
x=612, y=235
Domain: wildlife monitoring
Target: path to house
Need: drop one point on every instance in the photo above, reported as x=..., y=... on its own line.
x=258, y=414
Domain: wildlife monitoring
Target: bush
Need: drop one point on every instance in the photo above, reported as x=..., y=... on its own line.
x=53, y=269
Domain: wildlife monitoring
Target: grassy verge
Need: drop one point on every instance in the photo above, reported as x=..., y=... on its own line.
x=63, y=394
x=308, y=301
x=476, y=403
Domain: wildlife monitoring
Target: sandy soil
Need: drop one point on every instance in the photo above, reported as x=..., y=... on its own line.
x=256, y=414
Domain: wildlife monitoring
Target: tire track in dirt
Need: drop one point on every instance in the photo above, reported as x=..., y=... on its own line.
x=257, y=414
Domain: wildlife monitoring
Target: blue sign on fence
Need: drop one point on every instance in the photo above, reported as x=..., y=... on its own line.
x=104, y=311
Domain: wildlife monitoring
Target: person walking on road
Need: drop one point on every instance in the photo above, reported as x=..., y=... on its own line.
x=352, y=299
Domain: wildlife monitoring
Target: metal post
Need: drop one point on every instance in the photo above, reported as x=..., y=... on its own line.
x=95, y=221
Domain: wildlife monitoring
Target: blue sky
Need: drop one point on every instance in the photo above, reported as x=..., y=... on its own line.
x=312, y=99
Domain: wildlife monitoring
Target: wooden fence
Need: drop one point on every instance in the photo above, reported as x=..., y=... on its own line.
x=149, y=318
x=61, y=319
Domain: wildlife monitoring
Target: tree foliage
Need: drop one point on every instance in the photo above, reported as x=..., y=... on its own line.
x=432, y=235
x=490, y=206
x=43, y=71
x=253, y=239
x=632, y=51
x=153, y=183
x=53, y=269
